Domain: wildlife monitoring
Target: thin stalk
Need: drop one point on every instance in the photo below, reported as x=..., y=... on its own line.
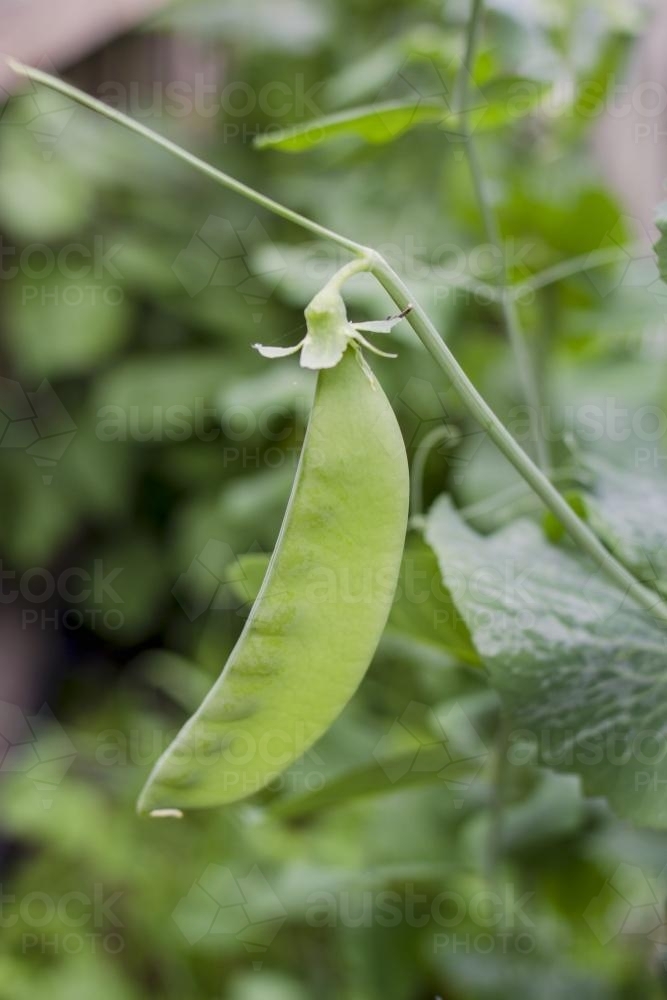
x=357, y=266
x=512, y=322
x=515, y=335
x=425, y=330
x=482, y=412
x=80, y=97
x=465, y=70
x=575, y=265
x=443, y=433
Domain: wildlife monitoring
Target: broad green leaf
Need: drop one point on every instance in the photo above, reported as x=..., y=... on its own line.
x=629, y=512
x=393, y=774
x=499, y=103
x=375, y=123
x=423, y=608
x=446, y=745
x=579, y=668
x=365, y=77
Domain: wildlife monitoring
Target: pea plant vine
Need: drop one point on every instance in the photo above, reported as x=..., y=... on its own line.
x=587, y=662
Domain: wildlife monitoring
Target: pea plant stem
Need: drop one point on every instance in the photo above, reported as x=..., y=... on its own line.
x=479, y=408
x=80, y=97
x=422, y=326
x=438, y=435
x=463, y=81
x=510, y=312
x=508, y=305
x=576, y=265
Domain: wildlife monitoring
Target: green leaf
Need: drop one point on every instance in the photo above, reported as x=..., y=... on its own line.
x=629, y=512
x=159, y=398
x=553, y=810
x=553, y=528
x=375, y=123
x=505, y=100
x=660, y=246
x=394, y=774
x=61, y=327
x=580, y=670
x=423, y=608
x=445, y=745
x=500, y=102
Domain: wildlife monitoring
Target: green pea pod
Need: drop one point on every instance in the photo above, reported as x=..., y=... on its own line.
x=319, y=615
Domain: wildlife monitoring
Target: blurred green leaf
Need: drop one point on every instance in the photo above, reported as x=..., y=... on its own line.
x=159, y=398
x=57, y=326
x=628, y=511
x=391, y=775
x=423, y=608
x=374, y=123
x=661, y=243
x=126, y=589
x=500, y=102
x=576, y=664
x=553, y=810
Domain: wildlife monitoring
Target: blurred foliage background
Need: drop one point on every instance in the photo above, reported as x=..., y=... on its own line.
x=164, y=453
